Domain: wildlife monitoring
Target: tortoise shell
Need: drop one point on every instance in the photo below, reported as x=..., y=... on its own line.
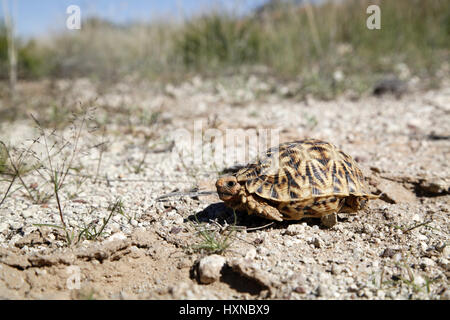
x=305, y=169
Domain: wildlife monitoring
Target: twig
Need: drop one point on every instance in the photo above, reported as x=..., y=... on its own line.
x=7, y=190
x=418, y=225
x=190, y=194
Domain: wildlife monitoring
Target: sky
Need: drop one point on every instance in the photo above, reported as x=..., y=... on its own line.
x=38, y=17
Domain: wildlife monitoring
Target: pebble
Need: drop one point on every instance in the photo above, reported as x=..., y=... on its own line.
x=419, y=280
x=316, y=242
x=422, y=237
x=446, y=252
x=445, y=295
x=209, y=268
x=427, y=262
x=323, y=291
x=27, y=214
x=263, y=251
x=368, y=229
x=397, y=257
x=116, y=236
x=15, y=225
x=444, y=263
x=336, y=269
x=381, y=294
x=295, y=229
x=251, y=254
x=4, y=227
x=423, y=246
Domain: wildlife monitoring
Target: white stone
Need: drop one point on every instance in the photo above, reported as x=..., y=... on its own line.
x=4, y=227
x=209, y=268
x=116, y=236
x=397, y=257
x=251, y=254
x=422, y=237
x=427, y=262
x=446, y=252
x=295, y=229
x=369, y=228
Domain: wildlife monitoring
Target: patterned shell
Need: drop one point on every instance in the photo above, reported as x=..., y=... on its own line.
x=303, y=170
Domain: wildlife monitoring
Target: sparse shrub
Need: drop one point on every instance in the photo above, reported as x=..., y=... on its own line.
x=218, y=40
x=295, y=41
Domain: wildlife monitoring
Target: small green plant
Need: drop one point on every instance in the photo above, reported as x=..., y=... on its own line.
x=213, y=241
x=55, y=169
x=404, y=276
x=91, y=231
x=407, y=278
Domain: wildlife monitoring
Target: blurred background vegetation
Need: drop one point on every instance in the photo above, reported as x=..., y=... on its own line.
x=327, y=46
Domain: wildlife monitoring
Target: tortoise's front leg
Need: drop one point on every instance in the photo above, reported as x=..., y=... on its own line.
x=260, y=208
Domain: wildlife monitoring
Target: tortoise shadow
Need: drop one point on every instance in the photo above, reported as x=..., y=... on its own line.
x=224, y=215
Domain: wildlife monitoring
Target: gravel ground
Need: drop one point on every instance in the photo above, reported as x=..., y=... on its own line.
x=160, y=152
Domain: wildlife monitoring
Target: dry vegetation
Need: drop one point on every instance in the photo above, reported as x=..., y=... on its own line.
x=311, y=44
x=91, y=171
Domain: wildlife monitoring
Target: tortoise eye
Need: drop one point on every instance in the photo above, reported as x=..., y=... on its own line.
x=231, y=184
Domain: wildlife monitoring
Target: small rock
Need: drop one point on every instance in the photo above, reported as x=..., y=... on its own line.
x=209, y=268
x=388, y=215
x=397, y=257
x=4, y=227
x=116, y=236
x=251, y=254
x=419, y=281
x=251, y=270
x=175, y=230
x=27, y=214
x=388, y=253
x=263, y=251
x=336, y=269
x=381, y=294
x=316, y=242
x=423, y=246
x=444, y=263
x=299, y=289
x=288, y=243
x=395, y=193
x=427, y=262
x=295, y=229
x=422, y=237
x=446, y=252
x=323, y=291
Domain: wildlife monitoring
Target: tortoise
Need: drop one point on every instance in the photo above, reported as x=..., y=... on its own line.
x=296, y=180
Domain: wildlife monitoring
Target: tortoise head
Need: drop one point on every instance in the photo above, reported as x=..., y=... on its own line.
x=228, y=188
